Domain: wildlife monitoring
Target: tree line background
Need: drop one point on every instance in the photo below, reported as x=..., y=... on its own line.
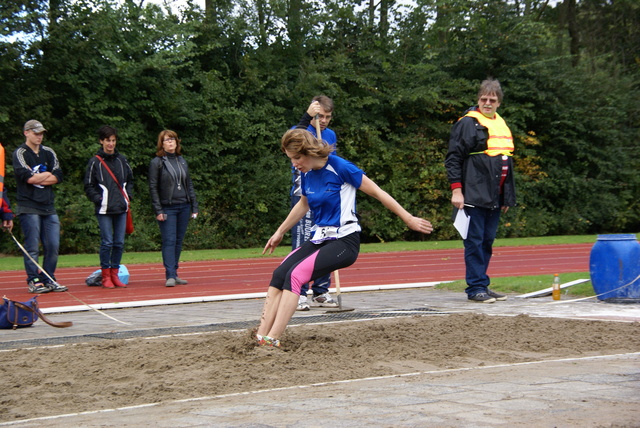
x=231, y=78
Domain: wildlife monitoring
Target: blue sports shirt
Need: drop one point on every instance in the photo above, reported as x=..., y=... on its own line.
x=331, y=192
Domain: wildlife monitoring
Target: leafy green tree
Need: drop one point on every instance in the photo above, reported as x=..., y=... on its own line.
x=232, y=77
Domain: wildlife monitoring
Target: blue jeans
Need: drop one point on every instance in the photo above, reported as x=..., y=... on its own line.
x=300, y=233
x=46, y=229
x=172, y=231
x=112, y=229
x=478, y=247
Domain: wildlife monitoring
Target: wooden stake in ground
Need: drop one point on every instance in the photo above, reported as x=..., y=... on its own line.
x=340, y=308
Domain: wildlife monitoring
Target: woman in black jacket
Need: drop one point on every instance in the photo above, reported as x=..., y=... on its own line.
x=111, y=204
x=174, y=201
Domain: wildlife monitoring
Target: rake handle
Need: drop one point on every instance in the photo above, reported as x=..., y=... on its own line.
x=336, y=274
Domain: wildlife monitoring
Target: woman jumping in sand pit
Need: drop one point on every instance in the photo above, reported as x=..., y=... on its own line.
x=329, y=185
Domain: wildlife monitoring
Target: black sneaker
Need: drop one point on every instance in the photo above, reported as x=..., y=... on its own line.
x=497, y=296
x=54, y=286
x=482, y=298
x=37, y=287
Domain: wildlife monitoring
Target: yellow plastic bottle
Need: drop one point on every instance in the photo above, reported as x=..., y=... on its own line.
x=555, y=288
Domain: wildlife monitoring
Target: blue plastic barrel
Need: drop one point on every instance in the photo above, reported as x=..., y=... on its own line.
x=615, y=268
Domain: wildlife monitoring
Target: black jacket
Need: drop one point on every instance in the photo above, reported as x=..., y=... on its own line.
x=162, y=184
x=40, y=199
x=100, y=187
x=479, y=173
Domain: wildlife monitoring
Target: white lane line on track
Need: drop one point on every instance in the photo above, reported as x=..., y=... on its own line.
x=203, y=299
x=338, y=382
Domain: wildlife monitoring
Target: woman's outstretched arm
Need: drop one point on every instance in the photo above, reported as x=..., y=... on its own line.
x=414, y=223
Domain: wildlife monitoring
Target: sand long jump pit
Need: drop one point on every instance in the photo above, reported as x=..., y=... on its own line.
x=43, y=381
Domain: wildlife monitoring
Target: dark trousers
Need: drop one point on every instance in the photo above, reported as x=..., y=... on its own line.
x=43, y=229
x=172, y=231
x=478, y=247
x=112, y=231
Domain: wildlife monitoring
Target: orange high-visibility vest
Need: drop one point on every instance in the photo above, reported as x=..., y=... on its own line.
x=500, y=141
x=1, y=170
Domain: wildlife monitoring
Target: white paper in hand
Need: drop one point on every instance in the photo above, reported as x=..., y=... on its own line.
x=461, y=223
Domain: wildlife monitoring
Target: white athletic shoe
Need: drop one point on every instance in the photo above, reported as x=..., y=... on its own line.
x=325, y=301
x=303, y=305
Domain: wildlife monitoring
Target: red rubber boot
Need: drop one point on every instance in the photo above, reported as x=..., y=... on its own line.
x=115, y=279
x=106, y=279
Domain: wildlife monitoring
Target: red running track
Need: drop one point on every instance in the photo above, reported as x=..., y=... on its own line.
x=229, y=277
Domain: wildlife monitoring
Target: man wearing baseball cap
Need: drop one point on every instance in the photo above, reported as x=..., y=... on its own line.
x=37, y=169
